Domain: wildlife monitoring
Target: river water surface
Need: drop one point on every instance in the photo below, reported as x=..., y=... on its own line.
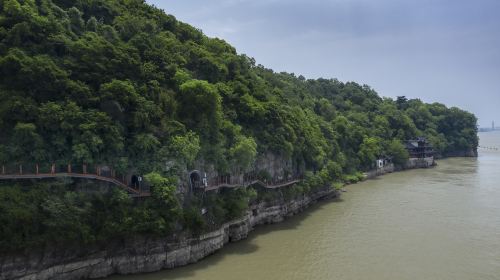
x=440, y=223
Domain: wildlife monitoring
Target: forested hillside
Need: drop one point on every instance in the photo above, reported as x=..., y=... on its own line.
x=122, y=83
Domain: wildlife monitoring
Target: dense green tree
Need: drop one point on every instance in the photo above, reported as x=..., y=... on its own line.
x=184, y=148
x=369, y=151
x=124, y=84
x=398, y=152
x=243, y=154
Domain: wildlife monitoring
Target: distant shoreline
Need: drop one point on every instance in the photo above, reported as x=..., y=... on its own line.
x=488, y=129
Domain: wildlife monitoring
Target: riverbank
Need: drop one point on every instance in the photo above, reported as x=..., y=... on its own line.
x=406, y=217
x=148, y=254
x=142, y=254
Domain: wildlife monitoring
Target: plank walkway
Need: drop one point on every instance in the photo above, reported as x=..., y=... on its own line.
x=133, y=192
x=254, y=182
x=69, y=173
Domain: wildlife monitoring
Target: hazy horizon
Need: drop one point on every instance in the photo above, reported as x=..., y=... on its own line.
x=438, y=51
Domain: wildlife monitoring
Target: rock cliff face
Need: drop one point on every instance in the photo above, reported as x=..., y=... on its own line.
x=419, y=163
x=274, y=164
x=143, y=254
x=380, y=171
x=412, y=163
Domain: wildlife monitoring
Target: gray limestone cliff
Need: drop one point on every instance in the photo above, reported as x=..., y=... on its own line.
x=419, y=163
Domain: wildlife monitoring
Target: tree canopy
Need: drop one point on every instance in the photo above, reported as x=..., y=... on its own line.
x=94, y=81
x=123, y=83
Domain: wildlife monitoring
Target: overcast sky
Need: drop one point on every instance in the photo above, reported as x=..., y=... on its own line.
x=436, y=50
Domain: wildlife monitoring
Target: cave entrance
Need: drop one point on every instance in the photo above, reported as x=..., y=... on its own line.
x=134, y=181
x=195, y=179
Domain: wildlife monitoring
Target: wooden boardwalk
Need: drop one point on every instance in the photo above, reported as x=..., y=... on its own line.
x=112, y=178
x=254, y=182
x=133, y=192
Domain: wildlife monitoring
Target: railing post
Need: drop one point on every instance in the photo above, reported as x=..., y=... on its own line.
x=84, y=169
x=53, y=168
x=69, y=167
x=20, y=169
x=37, y=169
x=3, y=169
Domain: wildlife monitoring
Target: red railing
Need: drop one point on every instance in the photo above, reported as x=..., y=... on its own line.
x=86, y=171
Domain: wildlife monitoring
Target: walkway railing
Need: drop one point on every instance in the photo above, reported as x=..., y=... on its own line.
x=248, y=180
x=107, y=174
x=84, y=171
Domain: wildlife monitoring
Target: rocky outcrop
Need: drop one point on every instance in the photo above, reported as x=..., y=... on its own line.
x=389, y=168
x=412, y=163
x=420, y=163
x=274, y=164
x=147, y=254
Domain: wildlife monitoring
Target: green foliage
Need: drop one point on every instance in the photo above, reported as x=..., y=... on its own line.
x=243, y=153
x=398, y=152
x=77, y=24
x=122, y=83
x=337, y=186
x=294, y=192
x=236, y=202
x=369, y=151
x=111, y=79
x=166, y=204
x=193, y=220
x=50, y=214
x=163, y=189
x=24, y=136
x=92, y=24
x=227, y=205
x=353, y=178
x=185, y=147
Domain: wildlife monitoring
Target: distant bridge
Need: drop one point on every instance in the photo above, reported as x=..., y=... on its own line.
x=488, y=148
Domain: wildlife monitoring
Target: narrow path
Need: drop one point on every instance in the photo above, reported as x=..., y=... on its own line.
x=113, y=179
x=132, y=191
x=254, y=182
